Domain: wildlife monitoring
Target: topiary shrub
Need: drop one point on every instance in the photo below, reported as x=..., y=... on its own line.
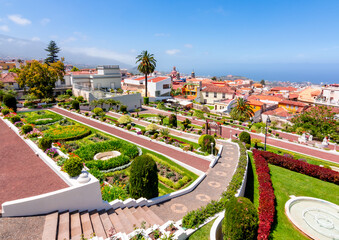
x=241, y=220
x=152, y=128
x=75, y=105
x=10, y=101
x=143, y=178
x=73, y=166
x=146, y=100
x=125, y=119
x=245, y=137
x=172, y=120
x=5, y=111
x=69, y=92
x=123, y=108
x=15, y=119
x=97, y=111
x=205, y=143
x=80, y=98
x=27, y=128
x=45, y=143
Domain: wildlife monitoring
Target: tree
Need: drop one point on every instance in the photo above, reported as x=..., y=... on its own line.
x=214, y=78
x=14, y=70
x=242, y=110
x=40, y=78
x=75, y=69
x=147, y=64
x=262, y=82
x=52, y=50
x=161, y=118
x=110, y=103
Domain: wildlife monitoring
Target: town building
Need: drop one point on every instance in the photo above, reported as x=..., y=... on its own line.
x=8, y=79
x=212, y=93
x=329, y=96
x=292, y=106
x=309, y=95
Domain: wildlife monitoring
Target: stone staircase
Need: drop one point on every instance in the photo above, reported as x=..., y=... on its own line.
x=105, y=223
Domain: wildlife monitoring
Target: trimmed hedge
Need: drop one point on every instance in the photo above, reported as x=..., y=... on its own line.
x=10, y=101
x=27, y=128
x=15, y=119
x=241, y=220
x=109, y=163
x=245, y=137
x=73, y=166
x=45, y=143
x=5, y=111
x=143, y=178
x=196, y=217
x=266, y=196
x=75, y=105
x=68, y=133
x=172, y=120
x=205, y=142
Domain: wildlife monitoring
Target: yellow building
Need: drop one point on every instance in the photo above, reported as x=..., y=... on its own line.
x=256, y=105
x=292, y=106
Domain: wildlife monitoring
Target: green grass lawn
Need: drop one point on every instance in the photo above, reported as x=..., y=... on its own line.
x=202, y=233
x=286, y=183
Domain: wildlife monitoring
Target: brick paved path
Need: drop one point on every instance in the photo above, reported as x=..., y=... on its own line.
x=22, y=173
x=186, y=158
x=271, y=141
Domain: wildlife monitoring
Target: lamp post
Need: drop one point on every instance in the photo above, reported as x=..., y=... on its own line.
x=212, y=144
x=268, y=122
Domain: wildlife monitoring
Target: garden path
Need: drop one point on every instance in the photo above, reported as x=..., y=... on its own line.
x=196, y=162
x=226, y=131
x=22, y=173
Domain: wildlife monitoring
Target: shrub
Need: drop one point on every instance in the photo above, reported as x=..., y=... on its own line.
x=128, y=126
x=144, y=178
x=69, y=92
x=15, y=119
x=205, y=142
x=146, y=100
x=123, y=108
x=248, y=146
x=98, y=111
x=45, y=143
x=51, y=152
x=10, y=101
x=73, y=166
x=125, y=119
x=199, y=132
x=172, y=120
x=5, y=111
x=255, y=140
x=27, y=128
x=155, y=135
x=198, y=114
x=245, y=137
x=86, y=114
x=277, y=134
x=152, y=128
x=241, y=220
x=80, y=98
x=75, y=105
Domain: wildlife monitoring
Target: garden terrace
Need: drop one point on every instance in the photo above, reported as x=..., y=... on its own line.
x=67, y=133
x=40, y=117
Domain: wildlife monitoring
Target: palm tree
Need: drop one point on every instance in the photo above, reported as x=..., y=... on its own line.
x=101, y=102
x=110, y=102
x=94, y=103
x=147, y=64
x=242, y=110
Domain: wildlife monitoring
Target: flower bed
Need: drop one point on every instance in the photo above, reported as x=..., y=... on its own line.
x=312, y=170
x=266, y=196
x=68, y=133
x=41, y=118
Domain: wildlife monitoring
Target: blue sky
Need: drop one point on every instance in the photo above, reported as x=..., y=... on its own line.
x=275, y=40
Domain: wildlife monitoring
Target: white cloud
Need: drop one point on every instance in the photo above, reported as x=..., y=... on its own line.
x=70, y=39
x=35, y=39
x=172, y=51
x=44, y=21
x=103, y=53
x=161, y=35
x=4, y=28
x=16, y=18
x=80, y=35
x=188, y=45
x=133, y=50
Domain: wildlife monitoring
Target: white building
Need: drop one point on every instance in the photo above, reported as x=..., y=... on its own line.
x=330, y=96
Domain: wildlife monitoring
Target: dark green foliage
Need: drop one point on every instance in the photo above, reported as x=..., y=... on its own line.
x=10, y=101
x=97, y=174
x=186, y=123
x=123, y=108
x=205, y=142
x=241, y=220
x=144, y=178
x=5, y=111
x=52, y=50
x=109, y=163
x=75, y=105
x=69, y=92
x=45, y=143
x=27, y=128
x=73, y=166
x=80, y=98
x=172, y=120
x=248, y=146
x=15, y=119
x=245, y=137
x=146, y=100
x=98, y=111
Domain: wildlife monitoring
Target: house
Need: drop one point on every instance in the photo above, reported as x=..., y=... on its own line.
x=309, y=95
x=258, y=108
x=329, y=96
x=280, y=115
x=9, y=80
x=292, y=106
x=283, y=89
x=224, y=106
x=266, y=98
x=212, y=93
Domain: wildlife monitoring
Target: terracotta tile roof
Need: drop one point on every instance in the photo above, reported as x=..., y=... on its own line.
x=280, y=112
x=308, y=94
x=83, y=72
x=293, y=95
x=246, y=89
x=157, y=79
x=255, y=103
x=291, y=89
x=294, y=103
x=214, y=88
x=265, y=97
x=8, y=77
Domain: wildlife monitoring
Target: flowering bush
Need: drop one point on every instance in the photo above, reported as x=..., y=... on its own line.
x=266, y=196
x=117, y=191
x=51, y=152
x=19, y=124
x=34, y=133
x=68, y=133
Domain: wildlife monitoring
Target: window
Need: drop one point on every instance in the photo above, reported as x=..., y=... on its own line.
x=287, y=106
x=206, y=94
x=296, y=107
x=215, y=95
x=165, y=86
x=157, y=93
x=223, y=95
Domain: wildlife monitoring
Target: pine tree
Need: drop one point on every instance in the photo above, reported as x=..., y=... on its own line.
x=52, y=50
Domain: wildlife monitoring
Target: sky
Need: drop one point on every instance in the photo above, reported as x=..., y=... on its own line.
x=285, y=40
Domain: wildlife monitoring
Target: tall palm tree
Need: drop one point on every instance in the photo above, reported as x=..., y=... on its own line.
x=147, y=64
x=110, y=102
x=242, y=110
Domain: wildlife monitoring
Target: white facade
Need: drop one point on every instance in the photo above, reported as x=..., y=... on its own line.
x=330, y=96
x=159, y=88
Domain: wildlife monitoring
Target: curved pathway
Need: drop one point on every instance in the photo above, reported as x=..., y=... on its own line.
x=22, y=173
x=196, y=162
x=226, y=131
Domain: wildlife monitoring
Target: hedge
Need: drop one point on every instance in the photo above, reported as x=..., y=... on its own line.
x=266, y=196
x=68, y=133
x=35, y=119
x=109, y=163
x=197, y=217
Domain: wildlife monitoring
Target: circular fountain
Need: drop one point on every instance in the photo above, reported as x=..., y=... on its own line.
x=106, y=155
x=317, y=218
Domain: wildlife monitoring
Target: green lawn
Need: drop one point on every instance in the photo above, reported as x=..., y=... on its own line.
x=202, y=233
x=286, y=183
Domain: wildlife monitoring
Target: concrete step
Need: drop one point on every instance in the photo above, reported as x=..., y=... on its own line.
x=140, y=214
x=133, y=220
x=128, y=227
x=98, y=228
x=51, y=226
x=119, y=226
x=76, y=230
x=63, y=227
x=86, y=225
x=107, y=224
x=154, y=218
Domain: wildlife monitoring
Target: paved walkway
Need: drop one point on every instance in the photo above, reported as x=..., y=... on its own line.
x=226, y=132
x=196, y=162
x=22, y=173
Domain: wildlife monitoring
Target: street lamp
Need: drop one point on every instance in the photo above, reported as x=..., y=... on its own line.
x=268, y=122
x=212, y=144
